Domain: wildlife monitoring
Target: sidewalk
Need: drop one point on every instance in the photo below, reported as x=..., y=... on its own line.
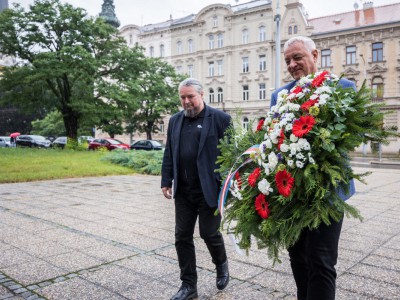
x=113, y=238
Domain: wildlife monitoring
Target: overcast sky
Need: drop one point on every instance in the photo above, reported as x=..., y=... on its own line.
x=141, y=12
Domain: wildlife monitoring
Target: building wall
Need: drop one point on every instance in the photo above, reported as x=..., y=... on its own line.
x=232, y=20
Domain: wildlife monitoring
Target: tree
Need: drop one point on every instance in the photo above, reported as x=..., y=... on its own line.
x=156, y=91
x=67, y=61
x=51, y=125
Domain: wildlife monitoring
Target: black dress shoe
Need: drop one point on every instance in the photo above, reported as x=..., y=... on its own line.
x=222, y=275
x=185, y=293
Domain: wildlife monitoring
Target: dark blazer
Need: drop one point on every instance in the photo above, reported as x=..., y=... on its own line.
x=214, y=126
x=343, y=83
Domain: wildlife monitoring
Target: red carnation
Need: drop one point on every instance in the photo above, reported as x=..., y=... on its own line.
x=297, y=90
x=319, y=80
x=238, y=179
x=306, y=105
x=284, y=182
x=281, y=139
x=260, y=125
x=303, y=125
x=252, y=180
x=262, y=206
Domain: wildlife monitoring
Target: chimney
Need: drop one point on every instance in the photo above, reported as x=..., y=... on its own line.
x=368, y=5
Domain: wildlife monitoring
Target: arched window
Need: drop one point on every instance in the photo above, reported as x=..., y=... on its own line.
x=290, y=30
x=211, y=41
x=190, y=46
x=261, y=33
x=215, y=21
x=295, y=29
x=130, y=39
x=220, y=40
x=151, y=51
x=211, y=95
x=245, y=123
x=162, y=50
x=179, y=47
x=245, y=36
x=220, y=95
x=162, y=127
x=377, y=88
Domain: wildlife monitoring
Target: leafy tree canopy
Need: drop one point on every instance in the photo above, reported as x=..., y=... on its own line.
x=68, y=62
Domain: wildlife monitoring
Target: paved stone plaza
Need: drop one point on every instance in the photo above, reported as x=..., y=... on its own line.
x=113, y=238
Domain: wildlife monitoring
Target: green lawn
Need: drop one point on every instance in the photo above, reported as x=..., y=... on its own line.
x=26, y=164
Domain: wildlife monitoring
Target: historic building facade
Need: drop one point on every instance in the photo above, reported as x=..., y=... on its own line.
x=231, y=49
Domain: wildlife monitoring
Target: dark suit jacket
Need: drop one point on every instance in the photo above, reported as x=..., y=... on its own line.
x=214, y=126
x=343, y=83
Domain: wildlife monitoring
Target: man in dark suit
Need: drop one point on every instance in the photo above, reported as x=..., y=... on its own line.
x=189, y=166
x=313, y=257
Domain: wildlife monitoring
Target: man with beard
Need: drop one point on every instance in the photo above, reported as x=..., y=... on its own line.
x=190, y=163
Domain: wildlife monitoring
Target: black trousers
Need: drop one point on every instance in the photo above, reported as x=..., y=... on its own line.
x=313, y=259
x=187, y=207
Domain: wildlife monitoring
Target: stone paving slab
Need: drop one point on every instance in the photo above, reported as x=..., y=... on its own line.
x=113, y=238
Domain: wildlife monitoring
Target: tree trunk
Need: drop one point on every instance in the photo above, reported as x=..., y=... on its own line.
x=71, y=124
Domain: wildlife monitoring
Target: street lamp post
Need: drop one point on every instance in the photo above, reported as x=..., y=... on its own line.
x=277, y=20
x=364, y=146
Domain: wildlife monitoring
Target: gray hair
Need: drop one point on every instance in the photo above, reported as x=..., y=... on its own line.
x=192, y=82
x=307, y=42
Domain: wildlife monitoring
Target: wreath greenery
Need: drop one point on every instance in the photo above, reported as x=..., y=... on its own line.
x=289, y=173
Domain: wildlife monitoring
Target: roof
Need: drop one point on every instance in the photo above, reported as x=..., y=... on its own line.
x=356, y=19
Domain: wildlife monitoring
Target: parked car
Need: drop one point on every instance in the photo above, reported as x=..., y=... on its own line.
x=146, y=145
x=5, y=141
x=110, y=144
x=59, y=142
x=32, y=141
x=85, y=138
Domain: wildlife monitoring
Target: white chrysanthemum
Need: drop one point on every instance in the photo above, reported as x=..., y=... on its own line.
x=288, y=127
x=304, y=80
x=265, y=187
x=293, y=138
x=323, y=89
x=266, y=168
x=304, y=144
x=313, y=97
x=291, y=96
x=274, y=135
x=293, y=107
x=284, y=148
x=311, y=160
x=300, y=156
x=322, y=99
x=272, y=161
x=290, y=163
x=299, y=164
x=300, y=95
x=235, y=191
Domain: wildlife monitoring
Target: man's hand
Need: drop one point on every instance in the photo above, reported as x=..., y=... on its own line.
x=167, y=191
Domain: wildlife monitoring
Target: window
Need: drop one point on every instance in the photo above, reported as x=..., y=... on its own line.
x=262, y=91
x=211, y=69
x=179, y=70
x=211, y=95
x=262, y=62
x=350, y=55
x=377, y=52
x=179, y=47
x=162, y=50
x=245, y=123
x=211, y=41
x=220, y=65
x=220, y=95
x=245, y=92
x=295, y=29
x=325, y=58
x=245, y=36
x=261, y=34
x=220, y=39
x=190, y=46
x=190, y=71
x=215, y=21
x=377, y=88
x=151, y=51
x=290, y=30
x=162, y=127
x=130, y=39
x=245, y=64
